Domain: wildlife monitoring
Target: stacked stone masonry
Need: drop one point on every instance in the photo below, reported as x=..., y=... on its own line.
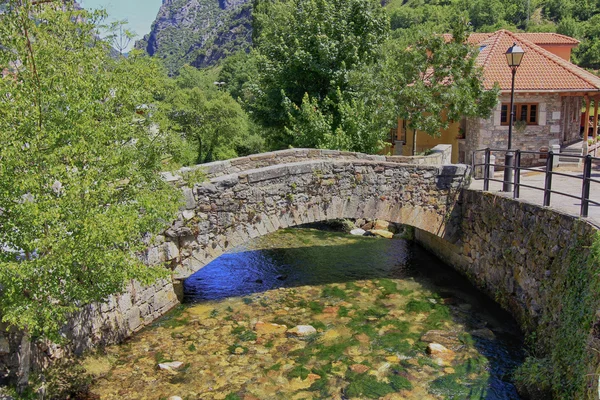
x=558, y=122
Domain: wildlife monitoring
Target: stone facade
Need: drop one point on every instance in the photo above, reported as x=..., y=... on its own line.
x=558, y=122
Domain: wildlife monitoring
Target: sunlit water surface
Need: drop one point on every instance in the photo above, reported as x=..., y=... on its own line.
x=376, y=304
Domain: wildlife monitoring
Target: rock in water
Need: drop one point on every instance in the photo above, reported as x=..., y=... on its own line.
x=440, y=354
x=382, y=233
x=358, y=232
x=381, y=225
x=302, y=331
x=268, y=328
x=445, y=338
x=170, y=366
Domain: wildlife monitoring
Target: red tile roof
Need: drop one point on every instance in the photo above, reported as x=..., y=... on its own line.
x=541, y=38
x=540, y=70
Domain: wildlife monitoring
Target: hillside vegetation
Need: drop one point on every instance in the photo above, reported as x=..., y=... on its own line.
x=576, y=18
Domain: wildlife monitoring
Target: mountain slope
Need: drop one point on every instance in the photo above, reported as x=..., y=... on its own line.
x=198, y=32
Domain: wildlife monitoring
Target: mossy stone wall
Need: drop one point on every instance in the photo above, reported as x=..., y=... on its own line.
x=542, y=266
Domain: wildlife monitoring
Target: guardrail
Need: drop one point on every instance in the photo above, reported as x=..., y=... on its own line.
x=549, y=173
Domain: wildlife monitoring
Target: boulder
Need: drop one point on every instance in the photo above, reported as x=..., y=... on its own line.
x=483, y=333
x=445, y=338
x=382, y=233
x=381, y=225
x=367, y=226
x=170, y=366
x=359, y=368
x=440, y=354
x=302, y=331
x=269, y=328
x=358, y=232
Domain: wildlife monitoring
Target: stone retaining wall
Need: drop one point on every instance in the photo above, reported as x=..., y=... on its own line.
x=520, y=254
x=95, y=325
x=511, y=249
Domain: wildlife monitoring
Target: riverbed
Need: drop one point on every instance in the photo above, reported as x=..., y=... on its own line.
x=310, y=314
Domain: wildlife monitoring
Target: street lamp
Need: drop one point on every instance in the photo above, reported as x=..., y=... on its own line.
x=514, y=56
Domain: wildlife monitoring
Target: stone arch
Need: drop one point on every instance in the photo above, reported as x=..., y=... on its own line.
x=228, y=210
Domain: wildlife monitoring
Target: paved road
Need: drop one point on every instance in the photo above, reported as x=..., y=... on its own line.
x=563, y=184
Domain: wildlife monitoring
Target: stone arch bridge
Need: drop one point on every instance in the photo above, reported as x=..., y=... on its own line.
x=253, y=196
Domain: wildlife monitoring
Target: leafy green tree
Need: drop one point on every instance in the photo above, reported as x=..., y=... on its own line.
x=433, y=83
x=79, y=163
x=588, y=53
x=208, y=117
x=307, y=50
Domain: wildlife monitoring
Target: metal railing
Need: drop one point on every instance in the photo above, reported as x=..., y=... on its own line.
x=548, y=171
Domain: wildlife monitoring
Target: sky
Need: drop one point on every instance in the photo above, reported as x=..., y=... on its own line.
x=139, y=13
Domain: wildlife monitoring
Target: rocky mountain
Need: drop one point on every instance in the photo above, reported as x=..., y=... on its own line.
x=198, y=32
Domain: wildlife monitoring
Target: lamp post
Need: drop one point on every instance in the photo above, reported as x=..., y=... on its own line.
x=514, y=56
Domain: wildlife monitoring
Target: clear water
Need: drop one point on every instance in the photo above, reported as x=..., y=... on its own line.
x=373, y=303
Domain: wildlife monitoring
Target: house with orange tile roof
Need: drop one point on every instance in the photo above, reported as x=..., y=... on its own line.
x=549, y=94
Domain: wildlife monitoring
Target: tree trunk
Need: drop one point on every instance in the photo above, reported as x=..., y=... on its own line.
x=199, y=160
x=24, y=363
x=414, y=147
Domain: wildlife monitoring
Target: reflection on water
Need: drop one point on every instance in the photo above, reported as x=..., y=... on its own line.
x=284, y=260
x=391, y=321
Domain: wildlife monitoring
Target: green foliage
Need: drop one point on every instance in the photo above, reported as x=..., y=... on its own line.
x=306, y=51
x=562, y=359
x=210, y=119
x=432, y=82
x=573, y=18
x=79, y=182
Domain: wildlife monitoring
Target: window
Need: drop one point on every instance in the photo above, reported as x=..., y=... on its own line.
x=526, y=112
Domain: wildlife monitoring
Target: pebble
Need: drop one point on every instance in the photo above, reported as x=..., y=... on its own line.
x=302, y=331
x=169, y=366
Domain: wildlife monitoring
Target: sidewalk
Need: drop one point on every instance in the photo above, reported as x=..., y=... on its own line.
x=563, y=184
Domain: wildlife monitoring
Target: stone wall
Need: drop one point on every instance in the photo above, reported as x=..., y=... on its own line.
x=511, y=249
x=558, y=120
x=95, y=325
x=520, y=255
x=231, y=209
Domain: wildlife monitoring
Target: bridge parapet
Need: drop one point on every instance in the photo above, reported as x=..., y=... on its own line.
x=440, y=155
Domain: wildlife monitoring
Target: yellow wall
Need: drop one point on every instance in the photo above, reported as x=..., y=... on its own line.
x=425, y=141
x=563, y=52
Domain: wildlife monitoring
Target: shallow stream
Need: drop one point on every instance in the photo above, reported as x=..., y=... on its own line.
x=391, y=321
